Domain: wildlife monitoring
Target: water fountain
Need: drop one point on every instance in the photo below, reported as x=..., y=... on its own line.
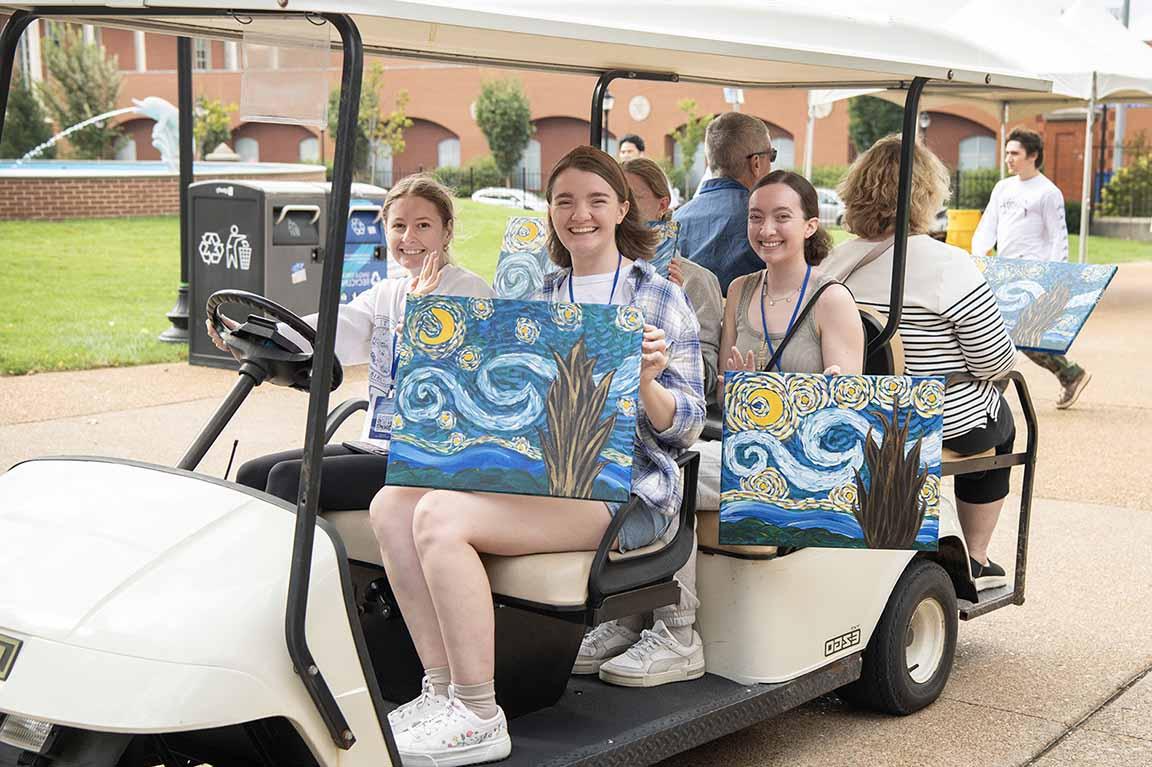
x=165, y=134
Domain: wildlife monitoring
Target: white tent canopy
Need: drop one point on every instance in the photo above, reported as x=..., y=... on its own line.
x=733, y=42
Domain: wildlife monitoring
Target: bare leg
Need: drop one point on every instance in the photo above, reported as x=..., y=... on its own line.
x=392, y=510
x=978, y=521
x=451, y=528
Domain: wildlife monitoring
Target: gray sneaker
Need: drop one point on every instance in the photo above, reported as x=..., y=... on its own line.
x=602, y=644
x=655, y=660
x=1072, y=391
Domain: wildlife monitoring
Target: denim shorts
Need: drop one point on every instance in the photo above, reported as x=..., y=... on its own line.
x=642, y=527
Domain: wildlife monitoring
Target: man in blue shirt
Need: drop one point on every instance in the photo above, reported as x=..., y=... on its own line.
x=714, y=224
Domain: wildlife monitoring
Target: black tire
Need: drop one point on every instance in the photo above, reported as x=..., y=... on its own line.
x=887, y=683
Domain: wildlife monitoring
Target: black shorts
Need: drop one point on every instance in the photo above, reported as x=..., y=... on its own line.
x=999, y=433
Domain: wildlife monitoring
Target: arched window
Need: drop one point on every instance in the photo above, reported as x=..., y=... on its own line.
x=127, y=151
x=529, y=167
x=978, y=152
x=310, y=149
x=698, y=165
x=248, y=149
x=448, y=153
x=382, y=167
x=785, y=153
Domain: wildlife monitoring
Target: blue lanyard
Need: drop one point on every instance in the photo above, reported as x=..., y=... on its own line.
x=795, y=310
x=615, y=278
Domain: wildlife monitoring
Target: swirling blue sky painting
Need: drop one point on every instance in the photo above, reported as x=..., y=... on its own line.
x=831, y=461
x=1045, y=303
x=524, y=261
x=514, y=396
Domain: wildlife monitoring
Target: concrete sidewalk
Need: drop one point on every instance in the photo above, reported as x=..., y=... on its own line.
x=1063, y=680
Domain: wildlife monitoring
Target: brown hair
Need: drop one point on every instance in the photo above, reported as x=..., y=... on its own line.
x=653, y=177
x=1031, y=141
x=633, y=237
x=869, y=190
x=817, y=246
x=425, y=187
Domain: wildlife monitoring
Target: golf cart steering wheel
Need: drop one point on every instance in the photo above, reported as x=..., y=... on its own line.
x=257, y=340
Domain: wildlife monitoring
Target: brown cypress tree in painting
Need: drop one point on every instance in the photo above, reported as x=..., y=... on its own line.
x=575, y=437
x=890, y=510
x=1037, y=318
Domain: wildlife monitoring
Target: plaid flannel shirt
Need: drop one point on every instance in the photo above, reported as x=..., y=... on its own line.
x=655, y=474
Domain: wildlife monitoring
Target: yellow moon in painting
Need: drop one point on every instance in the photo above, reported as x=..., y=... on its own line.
x=445, y=321
x=765, y=407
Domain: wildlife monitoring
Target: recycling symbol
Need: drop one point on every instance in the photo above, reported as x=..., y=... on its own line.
x=358, y=227
x=211, y=248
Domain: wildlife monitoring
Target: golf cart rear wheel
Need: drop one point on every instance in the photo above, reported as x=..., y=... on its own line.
x=909, y=658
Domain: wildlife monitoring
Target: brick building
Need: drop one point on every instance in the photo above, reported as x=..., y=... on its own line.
x=444, y=132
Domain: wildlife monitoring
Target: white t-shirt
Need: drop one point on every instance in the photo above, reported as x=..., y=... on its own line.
x=597, y=288
x=366, y=329
x=1024, y=219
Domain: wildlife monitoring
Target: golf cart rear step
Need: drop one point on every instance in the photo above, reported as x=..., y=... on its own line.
x=599, y=724
x=992, y=599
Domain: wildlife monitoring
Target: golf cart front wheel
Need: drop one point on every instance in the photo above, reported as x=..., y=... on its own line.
x=909, y=658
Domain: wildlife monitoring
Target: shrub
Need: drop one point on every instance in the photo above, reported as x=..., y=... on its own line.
x=465, y=180
x=1129, y=193
x=972, y=188
x=828, y=175
x=1072, y=216
x=24, y=128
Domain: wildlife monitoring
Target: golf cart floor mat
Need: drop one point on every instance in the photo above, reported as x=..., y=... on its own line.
x=599, y=724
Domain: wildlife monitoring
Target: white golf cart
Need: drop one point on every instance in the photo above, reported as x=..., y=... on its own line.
x=155, y=615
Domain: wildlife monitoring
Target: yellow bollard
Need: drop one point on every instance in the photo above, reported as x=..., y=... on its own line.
x=961, y=227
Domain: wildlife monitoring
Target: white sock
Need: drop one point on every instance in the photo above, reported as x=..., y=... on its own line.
x=480, y=699
x=683, y=634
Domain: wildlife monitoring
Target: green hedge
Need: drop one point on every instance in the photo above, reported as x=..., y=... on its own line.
x=465, y=180
x=828, y=176
x=972, y=188
x=1129, y=192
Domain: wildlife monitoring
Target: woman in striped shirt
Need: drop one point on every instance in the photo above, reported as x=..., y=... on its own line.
x=950, y=323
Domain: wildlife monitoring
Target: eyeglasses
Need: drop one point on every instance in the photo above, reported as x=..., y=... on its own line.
x=771, y=152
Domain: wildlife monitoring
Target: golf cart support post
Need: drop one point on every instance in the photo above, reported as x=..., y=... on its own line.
x=324, y=349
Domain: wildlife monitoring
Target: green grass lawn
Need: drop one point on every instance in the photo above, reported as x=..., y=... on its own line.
x=86, y=294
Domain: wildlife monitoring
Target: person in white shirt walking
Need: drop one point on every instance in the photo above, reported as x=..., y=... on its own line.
x=1025, y=219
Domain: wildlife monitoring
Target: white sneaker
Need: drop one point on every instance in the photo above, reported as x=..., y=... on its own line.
x=602, y=643
x=655, y=660
x=428, y=705
x=454, y=736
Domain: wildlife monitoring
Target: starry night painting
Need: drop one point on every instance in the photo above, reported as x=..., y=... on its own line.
x=512, y=396
x=831, y=461
x=524, y=261
x=1045, y=303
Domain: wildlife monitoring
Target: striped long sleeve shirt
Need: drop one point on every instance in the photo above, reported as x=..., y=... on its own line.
x=950, y=322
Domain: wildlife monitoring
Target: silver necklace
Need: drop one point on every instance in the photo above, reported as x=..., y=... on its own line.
x=773, y=300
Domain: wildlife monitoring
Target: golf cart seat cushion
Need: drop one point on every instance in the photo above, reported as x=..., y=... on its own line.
x=557, y=579
x=948, y=456
x=708, y=536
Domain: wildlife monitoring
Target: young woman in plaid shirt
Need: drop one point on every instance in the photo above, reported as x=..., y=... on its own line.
x=431, y=540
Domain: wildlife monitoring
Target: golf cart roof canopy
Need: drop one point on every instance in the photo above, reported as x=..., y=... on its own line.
x=729, y=42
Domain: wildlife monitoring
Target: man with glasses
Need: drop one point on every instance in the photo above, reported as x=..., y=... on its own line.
x=714, y=224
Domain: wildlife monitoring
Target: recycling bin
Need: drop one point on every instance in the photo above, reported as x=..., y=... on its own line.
x=265, y=237
x=365, y=247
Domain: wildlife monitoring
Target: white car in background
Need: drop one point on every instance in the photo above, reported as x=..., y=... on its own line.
x=831, y=207
x=509, y=198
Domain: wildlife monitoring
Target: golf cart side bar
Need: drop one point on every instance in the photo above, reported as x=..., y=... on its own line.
x=903, y=204
x=596, y=137
x=323, y=355
x=9, y=40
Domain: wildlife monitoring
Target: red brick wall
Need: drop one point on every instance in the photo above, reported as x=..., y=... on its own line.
x=53, y=199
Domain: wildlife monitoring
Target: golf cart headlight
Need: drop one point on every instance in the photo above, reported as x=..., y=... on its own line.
x=26, y=734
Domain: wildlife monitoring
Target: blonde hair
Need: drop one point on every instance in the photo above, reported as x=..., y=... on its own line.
x=870, y=188
x=426, y=187
x=653, y=177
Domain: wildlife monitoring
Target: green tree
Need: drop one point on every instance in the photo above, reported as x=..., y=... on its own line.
x=24, y=126
x=870, y=118
x=83, y=82
x=213, y=125
x=372, y=128
x=505, y=118
x=688, y=136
